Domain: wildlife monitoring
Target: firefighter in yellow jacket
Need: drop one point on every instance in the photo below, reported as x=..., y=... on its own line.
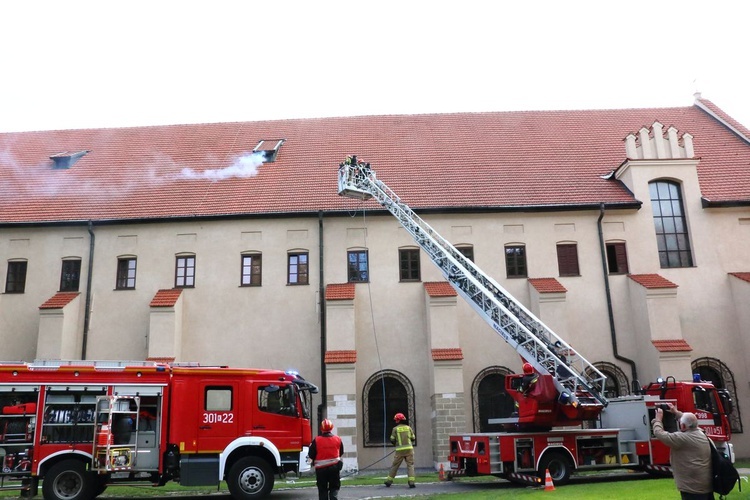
x=402, y=437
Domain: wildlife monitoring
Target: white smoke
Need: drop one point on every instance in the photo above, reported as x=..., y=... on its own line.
x=242, y=167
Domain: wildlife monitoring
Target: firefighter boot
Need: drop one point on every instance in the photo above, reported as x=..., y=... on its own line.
x=333, y=495
x=412, y=485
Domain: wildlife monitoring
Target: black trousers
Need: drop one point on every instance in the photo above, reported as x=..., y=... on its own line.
x=329, y=482
x=696, y=496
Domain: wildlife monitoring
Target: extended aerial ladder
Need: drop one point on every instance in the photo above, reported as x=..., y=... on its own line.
x=579, y=384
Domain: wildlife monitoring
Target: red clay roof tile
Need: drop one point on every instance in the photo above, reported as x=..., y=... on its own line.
x=447, y=354
x=59, y=300
x=338, y=357
x=547, y=285
x=742, y=276
x=439, y=289
x=677, y=345
x=166, y=298
x=340, y=291
x=517, y=160
x=161, y=359
x=652, y=281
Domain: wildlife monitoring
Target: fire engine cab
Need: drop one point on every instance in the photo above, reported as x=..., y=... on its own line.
x=80, y=426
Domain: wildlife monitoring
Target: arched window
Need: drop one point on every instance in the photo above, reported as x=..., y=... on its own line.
x=717, y=372
x=489, y=399
x=672, y=237
x=386, y=393
x=617, y=383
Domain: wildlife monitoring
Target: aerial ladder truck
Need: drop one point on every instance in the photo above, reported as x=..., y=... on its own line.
x=563, y=420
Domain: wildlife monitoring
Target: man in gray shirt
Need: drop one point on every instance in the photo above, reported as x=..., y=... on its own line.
x=690, y=454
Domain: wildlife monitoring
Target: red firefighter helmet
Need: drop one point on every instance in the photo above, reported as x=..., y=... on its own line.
x=326, y=426
x=399, y=417
x=528, y=369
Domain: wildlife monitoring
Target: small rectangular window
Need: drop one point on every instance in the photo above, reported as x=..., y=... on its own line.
x=125, y=274
x=185, y=272
x=15, y=280
x=515, y=261
x=567, y=259
x=71, y=275
x=617, y=258
x=251, y=270
x=408, y=261
x=218, y=398
x=297, y=270
x=467, y=251
x=358, y=269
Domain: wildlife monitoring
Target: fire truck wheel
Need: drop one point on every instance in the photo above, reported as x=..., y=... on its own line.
x=250, y=477
x=68, y=480
x=100, y=484
x=559, y=467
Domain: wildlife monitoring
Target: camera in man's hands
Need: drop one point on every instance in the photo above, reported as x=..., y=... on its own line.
x=663, y=407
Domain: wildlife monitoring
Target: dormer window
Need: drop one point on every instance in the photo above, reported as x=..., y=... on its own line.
x=269, y=148
x=67, y=159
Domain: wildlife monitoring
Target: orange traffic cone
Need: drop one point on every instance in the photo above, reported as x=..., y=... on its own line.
x=548, y=484
x=441, y=473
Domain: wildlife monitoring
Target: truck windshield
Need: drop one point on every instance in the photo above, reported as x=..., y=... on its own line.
x=704, y=399
x=305, y=390
x=305, y=399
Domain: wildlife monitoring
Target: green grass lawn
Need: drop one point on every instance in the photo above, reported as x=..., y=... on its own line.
x=646, y=489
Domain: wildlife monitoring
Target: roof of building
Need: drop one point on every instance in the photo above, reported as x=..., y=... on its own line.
x=547, y=285
x=477, y=161
x=439, y=289
x=59, y=300
x=672, y=345
x=652, y=281
x=743, y=276
x=447, y=354
x=166, y=297
x=339, y=357
x=340, y=291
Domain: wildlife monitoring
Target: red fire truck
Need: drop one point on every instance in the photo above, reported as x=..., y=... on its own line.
x=80, y=426
x=563, y=422
x=539, y=437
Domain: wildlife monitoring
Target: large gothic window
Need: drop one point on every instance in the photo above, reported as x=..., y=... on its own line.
x=386, y=393
x=672, y=237
x=711, y=369
x=489, y=399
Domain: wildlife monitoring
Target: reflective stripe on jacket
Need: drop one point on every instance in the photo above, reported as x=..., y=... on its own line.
x=327, y=450
x=403, y=437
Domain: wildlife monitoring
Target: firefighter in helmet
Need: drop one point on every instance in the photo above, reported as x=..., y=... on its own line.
x=326, y=451
x=529, y=378
x=403, y=438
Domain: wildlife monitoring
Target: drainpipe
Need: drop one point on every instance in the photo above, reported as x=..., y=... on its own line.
x=612, y=331
x=89, y=279
x=323, y=346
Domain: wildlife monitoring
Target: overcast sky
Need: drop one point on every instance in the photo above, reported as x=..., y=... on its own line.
x=75, y=64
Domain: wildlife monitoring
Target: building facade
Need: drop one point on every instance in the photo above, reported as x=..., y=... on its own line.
x=625, y=231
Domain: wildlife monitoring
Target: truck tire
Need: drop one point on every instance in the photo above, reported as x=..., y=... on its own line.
x=559, y=466
x=68, y=480
x=250, y=478
x=100, y=484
